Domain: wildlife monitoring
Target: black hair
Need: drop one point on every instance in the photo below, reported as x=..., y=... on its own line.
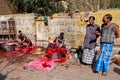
x=92, y=17
x=109, y=16
x=19, y=31
x=62, y=33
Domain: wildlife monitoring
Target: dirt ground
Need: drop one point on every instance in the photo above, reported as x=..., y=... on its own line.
x=70, y=70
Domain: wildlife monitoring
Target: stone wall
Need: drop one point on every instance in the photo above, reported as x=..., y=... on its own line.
x=74, y=28
x=25, y=23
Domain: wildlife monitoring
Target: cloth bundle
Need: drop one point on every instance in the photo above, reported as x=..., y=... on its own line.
x=56, y=53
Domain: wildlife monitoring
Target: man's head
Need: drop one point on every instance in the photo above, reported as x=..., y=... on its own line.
x=107, y=18
x=20, y=32
x=91, y=19
x=62, y=34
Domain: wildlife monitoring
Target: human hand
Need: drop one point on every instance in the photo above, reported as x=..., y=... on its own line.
x=98, y=33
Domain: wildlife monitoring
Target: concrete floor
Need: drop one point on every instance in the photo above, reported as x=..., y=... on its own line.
x=70, y=70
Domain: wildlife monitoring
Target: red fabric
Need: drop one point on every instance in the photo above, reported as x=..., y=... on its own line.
x=61, y=60
x=12, y=53
x=57, y=50
x=51, y=53
x=63, y=50
x=17, y=52
x=32, y=50
x=40, y=64
x=25, y=50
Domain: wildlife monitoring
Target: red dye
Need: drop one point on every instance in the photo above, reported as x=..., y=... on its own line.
x=58, y=52
x=46, y=65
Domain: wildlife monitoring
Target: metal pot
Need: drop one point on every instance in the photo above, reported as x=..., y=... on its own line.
x=1, y=45
x=7, y=47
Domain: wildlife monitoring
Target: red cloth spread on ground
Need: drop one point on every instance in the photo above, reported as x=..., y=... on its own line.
x=22, y=51
x=13, y=54
x=45, y=65
x=27, y=50
x=55, y=56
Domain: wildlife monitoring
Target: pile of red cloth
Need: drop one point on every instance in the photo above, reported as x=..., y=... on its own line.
x=56, y=53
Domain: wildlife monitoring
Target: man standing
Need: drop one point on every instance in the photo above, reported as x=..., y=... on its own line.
x=109, y=31
x=92, y=33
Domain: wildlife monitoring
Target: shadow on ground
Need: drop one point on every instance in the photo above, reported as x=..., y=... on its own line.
x=3, y=77
x=117, y=70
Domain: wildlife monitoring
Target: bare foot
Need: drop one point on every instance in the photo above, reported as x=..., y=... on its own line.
x=104, y=73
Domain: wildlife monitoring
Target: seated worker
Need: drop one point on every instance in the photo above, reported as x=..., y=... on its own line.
x=22, y=39
x=59, y=41
x=57, y=49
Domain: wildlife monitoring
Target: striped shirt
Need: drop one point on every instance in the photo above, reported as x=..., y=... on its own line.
x=107, y=33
